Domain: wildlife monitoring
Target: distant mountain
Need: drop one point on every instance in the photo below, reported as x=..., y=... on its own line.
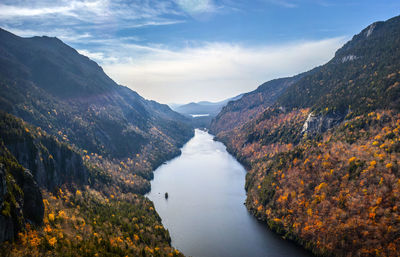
x=203, y=107
x=322, y=148
x=201, y=113
x=86, y=146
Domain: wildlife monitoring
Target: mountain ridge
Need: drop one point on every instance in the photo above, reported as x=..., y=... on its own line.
x=322, y=155
x=90, y=147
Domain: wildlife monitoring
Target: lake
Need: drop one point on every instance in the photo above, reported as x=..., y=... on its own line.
x=205, y=212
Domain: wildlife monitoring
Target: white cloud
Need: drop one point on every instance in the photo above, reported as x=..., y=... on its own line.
x=154, y=23
x=197, y=6
x=98, y=56
x=213, y=71
x=56, y=13
x=210, y=71
x=42, y=8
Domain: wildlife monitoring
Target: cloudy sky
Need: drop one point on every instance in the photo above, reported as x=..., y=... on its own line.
x=177, y=51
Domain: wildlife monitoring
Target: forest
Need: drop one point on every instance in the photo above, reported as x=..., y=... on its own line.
x=78, y=151
x=77, y=155
x=322, y=155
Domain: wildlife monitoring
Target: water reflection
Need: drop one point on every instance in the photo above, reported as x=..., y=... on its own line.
x=204, y=212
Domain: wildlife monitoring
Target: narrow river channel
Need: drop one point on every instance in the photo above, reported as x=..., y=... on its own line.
x=204, y=212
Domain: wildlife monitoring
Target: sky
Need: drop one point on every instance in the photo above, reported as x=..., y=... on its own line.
x=179, y=51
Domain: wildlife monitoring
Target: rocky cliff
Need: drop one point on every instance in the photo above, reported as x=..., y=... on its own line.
x=20, y=197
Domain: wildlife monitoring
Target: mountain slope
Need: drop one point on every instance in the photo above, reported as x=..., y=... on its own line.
x=50, y=85
x=76, y=153
x=323, y=155
x=362, y=76
x=250, y=104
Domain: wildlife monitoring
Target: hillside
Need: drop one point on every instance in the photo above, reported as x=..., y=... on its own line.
x=86, y=146
x=323, y=153
x=50, y=85
x=241, y=110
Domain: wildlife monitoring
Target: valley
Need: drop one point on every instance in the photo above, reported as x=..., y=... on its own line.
x=303, y=165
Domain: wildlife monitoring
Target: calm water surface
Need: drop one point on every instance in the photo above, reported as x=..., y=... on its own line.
x=204, y=212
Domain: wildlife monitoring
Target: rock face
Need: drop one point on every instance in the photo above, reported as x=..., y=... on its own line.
x=33, y=208
x=20, y=197
x=316, y=124
x=51, y=166
x=6, y=222
x=50, y=162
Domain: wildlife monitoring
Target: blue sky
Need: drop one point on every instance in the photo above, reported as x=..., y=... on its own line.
x=192, y=50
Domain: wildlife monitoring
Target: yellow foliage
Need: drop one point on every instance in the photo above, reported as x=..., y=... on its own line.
x=52, y=241
x=51, y=216
x=320, y=186
x=352, y=159
x=47, y=229
x=78, y=193
x=389, y=165
x=61, y=215
x=34, y=241
x=325, y=164
x=45, y=203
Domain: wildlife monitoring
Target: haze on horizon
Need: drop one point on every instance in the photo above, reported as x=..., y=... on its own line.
x=179, y=51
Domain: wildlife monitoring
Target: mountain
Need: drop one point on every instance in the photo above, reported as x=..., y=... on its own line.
x=203, y=107
x=202, y=112
x=322, y=148
x=85, y=145
x=239, y=111
x=51, y=85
